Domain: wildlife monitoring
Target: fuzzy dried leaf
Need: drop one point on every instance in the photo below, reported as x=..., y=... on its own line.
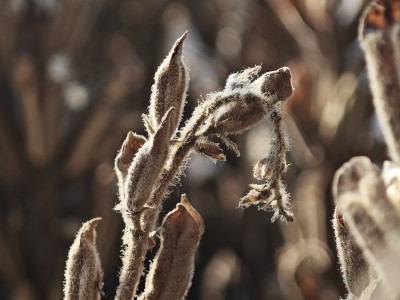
x=210, y=150
x=356, y=272
x=170, y=87
x=145, y=168
x=83, y=273
x=131, y=145
x=172, y=270
x=243, y=112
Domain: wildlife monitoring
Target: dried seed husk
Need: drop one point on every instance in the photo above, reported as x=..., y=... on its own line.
x=356, y=272
x=172, y=270
x=83, y=273
x=170, y=87
x=131, y=145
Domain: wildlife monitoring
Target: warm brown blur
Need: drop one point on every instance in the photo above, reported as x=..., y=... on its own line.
x=75, y=77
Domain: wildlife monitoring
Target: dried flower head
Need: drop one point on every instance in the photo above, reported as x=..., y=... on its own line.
x=172, y=269
x=146, y=167
x=210, y=150
x=356, y=272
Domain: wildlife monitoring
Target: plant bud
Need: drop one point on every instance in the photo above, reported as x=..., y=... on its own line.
x=170, y=87
x=146, y=166
x=244, y=111
x=172, y=270
x=83, y=273
x=131, y=145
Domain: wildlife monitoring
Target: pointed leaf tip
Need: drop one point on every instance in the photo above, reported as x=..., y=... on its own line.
x=177, y=48
x=88, y=230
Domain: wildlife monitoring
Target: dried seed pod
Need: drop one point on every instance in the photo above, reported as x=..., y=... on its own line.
x=170, y=87
x=210, y=150
x=171, y=272
x=356, y=272
x=276, y=85
x=83, y=273
x=131, y=145
x=146, y=166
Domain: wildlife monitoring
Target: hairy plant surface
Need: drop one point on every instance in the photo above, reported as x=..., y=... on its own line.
x=367, y=220
x=146, y=168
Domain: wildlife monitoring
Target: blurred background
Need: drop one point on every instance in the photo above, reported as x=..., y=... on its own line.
x=75, y=76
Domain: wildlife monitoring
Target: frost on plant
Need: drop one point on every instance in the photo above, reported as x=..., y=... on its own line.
x=146, y=167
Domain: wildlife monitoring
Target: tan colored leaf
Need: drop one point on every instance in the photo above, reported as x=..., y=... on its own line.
x=172, y=270
x=210, y=150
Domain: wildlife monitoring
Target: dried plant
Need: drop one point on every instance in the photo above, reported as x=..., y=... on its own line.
x=367, y=219
x=75, y=76
x=147, y=167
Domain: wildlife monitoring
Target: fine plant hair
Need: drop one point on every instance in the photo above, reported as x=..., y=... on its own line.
x=367, y=216
x=147, y=167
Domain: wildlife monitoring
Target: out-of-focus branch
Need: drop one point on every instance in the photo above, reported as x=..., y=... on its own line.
x=379, y=37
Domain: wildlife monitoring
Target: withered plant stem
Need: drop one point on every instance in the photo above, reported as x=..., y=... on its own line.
x=132, y=266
